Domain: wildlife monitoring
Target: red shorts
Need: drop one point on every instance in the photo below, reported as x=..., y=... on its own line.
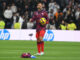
x=40, y=33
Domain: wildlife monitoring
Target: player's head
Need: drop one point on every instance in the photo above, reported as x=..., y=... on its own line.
x=39, y=6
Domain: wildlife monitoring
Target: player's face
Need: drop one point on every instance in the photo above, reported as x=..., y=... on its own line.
x=63, y=22
x=39, y=6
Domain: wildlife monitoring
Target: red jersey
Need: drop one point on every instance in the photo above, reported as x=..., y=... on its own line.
x=37, y=16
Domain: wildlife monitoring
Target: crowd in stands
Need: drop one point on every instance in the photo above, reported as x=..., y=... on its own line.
x=63, y=14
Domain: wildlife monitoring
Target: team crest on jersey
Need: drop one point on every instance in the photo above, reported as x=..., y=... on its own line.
x=42, y=13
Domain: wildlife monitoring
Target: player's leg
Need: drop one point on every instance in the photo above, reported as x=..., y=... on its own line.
x=38, y=43
x=42, y=43
x=41, y=35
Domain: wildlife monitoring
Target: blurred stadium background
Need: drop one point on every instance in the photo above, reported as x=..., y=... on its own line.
x=60, y=12
x=64, y=16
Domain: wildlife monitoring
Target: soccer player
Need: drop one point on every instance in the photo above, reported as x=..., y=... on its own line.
x=40, y=30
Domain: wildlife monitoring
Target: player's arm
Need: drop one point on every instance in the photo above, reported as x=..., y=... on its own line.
x=47, y=18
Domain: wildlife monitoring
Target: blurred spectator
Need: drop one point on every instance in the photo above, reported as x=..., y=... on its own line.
x=17, y=25
x=54, y=6
x=68, y=15
x=52, y=23
x=30, y=25
x=18, y=21
x=14, y=8
x=44, y=7
x=58, y=16
x=8, y=17
x=63, y=25
x=2, y=24
x=62, y=3
x=8, y=13
x=20, y=11
x=45, y=3
x=71, y=26
x=32, y=5
x=26, y=8
x=26, y=18
x=51, y=13
x=77, y=13
x=78, y=23
x=3, y=8
x=20, y=4
x=51, y=4
x=15, y=18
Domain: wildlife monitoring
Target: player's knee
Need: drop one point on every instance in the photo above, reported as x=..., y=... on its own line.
x=38, y=41
x=40, y=38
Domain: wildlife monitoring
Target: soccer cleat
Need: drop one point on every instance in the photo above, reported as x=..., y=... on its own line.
x=38, y=54
x=42, y=53
x=33, y=56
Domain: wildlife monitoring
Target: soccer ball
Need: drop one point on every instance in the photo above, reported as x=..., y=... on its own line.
x=42, y=21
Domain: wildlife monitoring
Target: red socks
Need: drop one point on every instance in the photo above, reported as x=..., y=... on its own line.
x=40, y=46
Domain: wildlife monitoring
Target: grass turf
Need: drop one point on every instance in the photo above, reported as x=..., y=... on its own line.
x=12, y=50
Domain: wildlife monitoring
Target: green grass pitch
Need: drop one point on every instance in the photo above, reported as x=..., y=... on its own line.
x=12, y=50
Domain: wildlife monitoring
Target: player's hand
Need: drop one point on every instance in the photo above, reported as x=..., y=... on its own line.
x=30, y=20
